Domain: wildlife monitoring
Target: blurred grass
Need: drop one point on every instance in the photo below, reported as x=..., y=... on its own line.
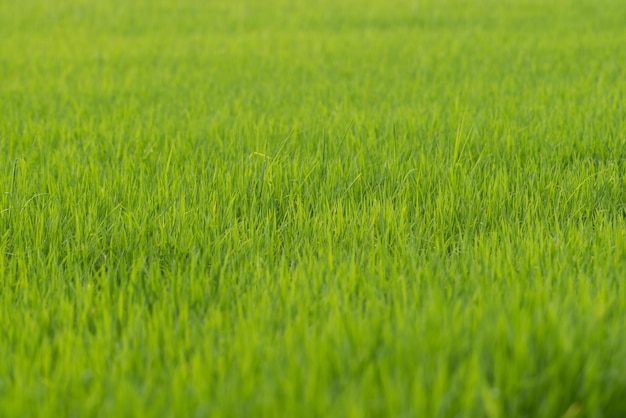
x=310, y=209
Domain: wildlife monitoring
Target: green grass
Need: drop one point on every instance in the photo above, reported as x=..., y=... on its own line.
x=329, y=208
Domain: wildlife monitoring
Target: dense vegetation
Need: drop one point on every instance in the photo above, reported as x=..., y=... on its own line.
x=327, y=208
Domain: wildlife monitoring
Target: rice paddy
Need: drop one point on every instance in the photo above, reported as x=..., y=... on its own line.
x=326, y=208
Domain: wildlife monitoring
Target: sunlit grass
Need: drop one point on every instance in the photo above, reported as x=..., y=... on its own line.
x=337, y=208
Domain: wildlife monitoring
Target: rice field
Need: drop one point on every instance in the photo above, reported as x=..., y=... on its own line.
x=393, y=208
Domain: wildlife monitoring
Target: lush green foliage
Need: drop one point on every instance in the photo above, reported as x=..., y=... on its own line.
x=327, y=208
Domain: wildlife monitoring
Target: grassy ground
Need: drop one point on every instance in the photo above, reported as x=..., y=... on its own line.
x=330, y=208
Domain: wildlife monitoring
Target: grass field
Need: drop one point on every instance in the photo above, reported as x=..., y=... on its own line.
x=313, y=208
